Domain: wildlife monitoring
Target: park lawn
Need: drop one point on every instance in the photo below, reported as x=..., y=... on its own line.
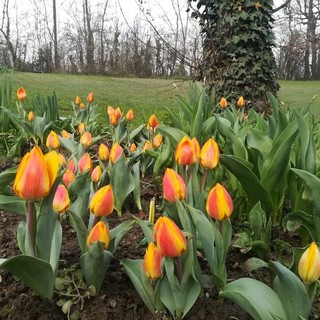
x=144, y=96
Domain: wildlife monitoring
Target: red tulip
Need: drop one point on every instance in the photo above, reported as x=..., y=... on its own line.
x=100, y=232
x=85, y=163
x=185, y=153
x=68, y=177
x=102, y=202
x=174, y=188
x=21, y=94
x=115, y=152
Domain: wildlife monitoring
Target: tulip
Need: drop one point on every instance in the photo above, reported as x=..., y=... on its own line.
x=21, y=94
x=103, y=152
x=209, y=154
x=174, y=188
x=77, y=100
x=133, y=147
x=147, y=146
x=153, y=122
x=96, y=174
x=240, y=102
x=30, y=116
x=185, y=153
x=85, y=163
x=102, y=202
x=113, y=120
x=115, y=152
x=309, y=264
x=68, y=177
x=114, y=115
x=82, y=106
x=100, y=232
x=118, y=113
x=152, y=262
x=62, y=160
x=196, y=146
x=110, y=111
x=129, y=115
x=157, y=140
x=90, y=97
x=169, y=238
x=81, y=128
x=219, y=203
x=65, y=134
x=223, y=103
x=86, y=139
x=71, y=166
x=53, y=141
x=61, y=200
x=36, y=174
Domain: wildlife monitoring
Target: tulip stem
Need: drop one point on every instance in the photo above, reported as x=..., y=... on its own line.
x=204, y=180
x=178, y=263
x=32, y=227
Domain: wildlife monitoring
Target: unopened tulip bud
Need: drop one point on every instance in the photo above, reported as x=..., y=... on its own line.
x=309, y=264
x=133, y=147
x=223, y=103
x=185, y=153
x=96, y=174
x=129, y=115
x=152, y=262
x=85, y=163
x=81, y=128
x=219, y=203
x=90, y=97
x=102, y=202
x=53, y=141
x=99, y=232
x=103, y=152
x=153, y=122
x=115, y=152
x=86, y=139
x=71, y=166
x=147, y=146
x=157, y=140
x=169, y=238
x=36, y=174
x=174, y=188
x=21, y=94
x=68, y=177
x=65, y=134
x=62, y=160
x=209, y=154
x=30, y=116
x=61, y=200
x=82, y=106
x=240, y=102
x=77, y=100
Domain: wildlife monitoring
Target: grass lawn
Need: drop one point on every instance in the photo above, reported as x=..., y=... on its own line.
x=144, y=96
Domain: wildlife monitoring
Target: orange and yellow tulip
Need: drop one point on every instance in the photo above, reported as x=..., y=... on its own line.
x=61, y=200
x=36, y=174
x=53, y=141
x=169, y=238
x=68, y=177
x=71, y=166
x=196, y=146
x=81, y=128
x=223, y=103
x=185, y=153
x=21, y=94
x=85, y=163
x=99, y=232
x=82, y=106
x=96, y=174
x=219, y=203
x=147, y=146
x=157, y=140
x=103, y=152
x=129, y=115
x=102, y=202
x=240, y=102
x=133, y=147
x=115, y=152
x=174, y=188
x=65, y=134
x=309, y=264
x=209, y=154
x=152, y=262
x=77, y=100
x=62, y=160
x=90, y=97
x=30, y=116
x=153, y=122
x=86, y=139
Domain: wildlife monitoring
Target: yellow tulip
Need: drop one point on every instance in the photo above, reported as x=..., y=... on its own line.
x=309, y=264
x=152, y=262
x=102, y=202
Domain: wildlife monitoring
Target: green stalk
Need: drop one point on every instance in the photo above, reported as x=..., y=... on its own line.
x=178, y=263
x=31, y=219
x=204, y=180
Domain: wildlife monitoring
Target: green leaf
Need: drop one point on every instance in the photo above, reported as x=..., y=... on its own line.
x=291, y=292
x=56, y=247
x=78, y=225
x=197, y=118
x=164, y=158
x=35, y=273
x=255, y=297
x=7, y=177
x=117, y=233
x=175, y=135
x=137, y=191
x=260, y=141
x=122, y=182
x=94, y=264
x=13, y=204
x=146, y=227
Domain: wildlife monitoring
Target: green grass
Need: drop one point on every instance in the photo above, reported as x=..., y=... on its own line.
x=144, y=96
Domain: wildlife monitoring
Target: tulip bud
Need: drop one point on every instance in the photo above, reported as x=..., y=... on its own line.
x=102, y=202
x=223, y=103
x=65, y=134
x=309, y=264
x=157, y=140
x=185, y=153
x=118, y=113
x=240, y=102
x=68, y=177
x=153, y=122
x=71, y=166
x=129, y=115
x=90, y=97
x=169, y=238
x=174, y=188
x=147, y=146
x=196, y=146
x=209, y=155
x=30, y=116
x=103, y=152
x=36, y=174
x=86, y=139
x=99, y=232
x=85, y=163
x=133, y=147
x=81, y=128
x=82, y=106
x=53, y=141
x=219, y=203
x=96, y=174
x=115, y=152
x=62, y=160
x=61, y=200
x=21, y=94
x=77, y=100
x=152, y=262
